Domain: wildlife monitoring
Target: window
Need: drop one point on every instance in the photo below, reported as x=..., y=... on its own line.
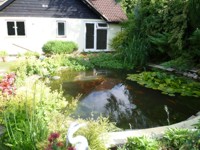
x=102, y=25
x=16, y=28
x=61, y=29
x=96, y=36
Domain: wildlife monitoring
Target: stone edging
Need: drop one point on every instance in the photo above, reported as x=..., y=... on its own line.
x=120, y=138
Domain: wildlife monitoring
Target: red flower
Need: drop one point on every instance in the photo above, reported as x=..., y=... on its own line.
x=50, y=139
x=60, y=144
x=54, y=135
x=71, y=148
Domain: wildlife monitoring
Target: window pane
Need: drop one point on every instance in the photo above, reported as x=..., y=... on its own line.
x=20, y=28
x=89, y=36
x=101, y=39
x=61, y=28
x=102, y=25
x=10, y=27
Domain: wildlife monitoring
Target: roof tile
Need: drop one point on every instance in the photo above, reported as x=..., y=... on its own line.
x=109, y=10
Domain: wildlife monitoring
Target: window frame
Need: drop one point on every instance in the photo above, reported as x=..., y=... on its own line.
x=15, y=28
x=96, y=28
x=57, y=29
x=102, y=27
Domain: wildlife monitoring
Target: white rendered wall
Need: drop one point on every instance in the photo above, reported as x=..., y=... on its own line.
x=40, y=30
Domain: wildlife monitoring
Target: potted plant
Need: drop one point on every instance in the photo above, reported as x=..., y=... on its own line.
x=3, y=55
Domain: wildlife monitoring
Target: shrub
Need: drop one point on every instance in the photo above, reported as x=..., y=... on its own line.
x=109, y=61
x=59, y=47
x=117, y=42
x=30, y=54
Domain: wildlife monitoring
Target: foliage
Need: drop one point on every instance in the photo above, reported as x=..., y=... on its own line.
x=30, y=54
x=32, y=113
x=23, y=127
x=117, y=43
x=168, y=84
x=78, y=63
x=109, y=61
x=194, y=14
x=3, y=53
x=128, y=5
x=182, y=63
x=162, y=30
x=32, y=66
x=140, y=143
x=136, y=51
x=173, y=139
x=195, y=46
x=59, y=47
x=95, y=132
x=181, y=139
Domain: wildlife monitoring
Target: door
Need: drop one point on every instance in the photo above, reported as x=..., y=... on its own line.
x=96, y=36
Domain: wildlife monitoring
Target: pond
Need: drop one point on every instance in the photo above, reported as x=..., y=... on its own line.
x=131, y=106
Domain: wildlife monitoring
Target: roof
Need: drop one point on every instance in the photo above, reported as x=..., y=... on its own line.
x=4, y=3
x=48, y=8
x=110, y=10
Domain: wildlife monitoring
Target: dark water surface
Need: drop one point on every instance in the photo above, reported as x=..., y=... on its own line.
x=125, y=102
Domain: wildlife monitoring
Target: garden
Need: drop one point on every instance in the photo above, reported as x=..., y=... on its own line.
x=36, y=116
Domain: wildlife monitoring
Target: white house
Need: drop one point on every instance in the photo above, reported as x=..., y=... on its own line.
x=25, y=25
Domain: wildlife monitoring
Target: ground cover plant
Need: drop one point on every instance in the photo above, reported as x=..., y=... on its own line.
x=167, y=83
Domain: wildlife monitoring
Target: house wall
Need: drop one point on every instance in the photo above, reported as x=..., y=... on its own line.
x=40, y=30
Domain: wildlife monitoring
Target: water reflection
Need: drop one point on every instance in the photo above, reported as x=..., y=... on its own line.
x=116, y=104
x=124, y=102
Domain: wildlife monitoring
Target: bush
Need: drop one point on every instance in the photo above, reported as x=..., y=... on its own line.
x=117, y=42
x=59, y=47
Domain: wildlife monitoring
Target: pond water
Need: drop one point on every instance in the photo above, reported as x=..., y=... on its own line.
x=125, y=102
